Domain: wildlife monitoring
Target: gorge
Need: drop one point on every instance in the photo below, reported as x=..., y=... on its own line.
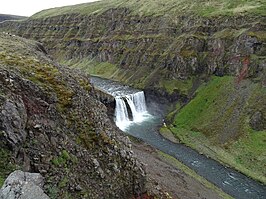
x=201, y=65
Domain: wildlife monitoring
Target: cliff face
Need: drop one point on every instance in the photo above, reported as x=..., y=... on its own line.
x=51, y=123
x=148, y=50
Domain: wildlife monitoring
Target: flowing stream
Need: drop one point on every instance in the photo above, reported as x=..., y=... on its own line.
x=141, y=121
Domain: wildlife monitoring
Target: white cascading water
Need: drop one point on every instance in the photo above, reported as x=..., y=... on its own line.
x=121, y=114
x=139, y=101
x=136, y=103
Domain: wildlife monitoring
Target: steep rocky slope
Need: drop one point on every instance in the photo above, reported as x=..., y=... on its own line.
x=51, y=123
x=170, y=48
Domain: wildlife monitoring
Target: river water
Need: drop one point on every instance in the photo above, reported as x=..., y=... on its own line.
x=230, y=181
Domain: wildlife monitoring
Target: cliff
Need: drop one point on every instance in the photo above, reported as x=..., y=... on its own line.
x=210, y=54
x=51, y=123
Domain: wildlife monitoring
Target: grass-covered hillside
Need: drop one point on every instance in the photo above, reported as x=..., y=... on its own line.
x=207, y=8
x=226, y=120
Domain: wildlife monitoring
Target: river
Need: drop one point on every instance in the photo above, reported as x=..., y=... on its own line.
x=229, y=180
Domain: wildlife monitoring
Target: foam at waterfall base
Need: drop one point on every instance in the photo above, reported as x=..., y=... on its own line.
x=124, y=125
x=133, y=103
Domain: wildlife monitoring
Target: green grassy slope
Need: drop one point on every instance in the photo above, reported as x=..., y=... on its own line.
x=167, y=7
x=216, y=122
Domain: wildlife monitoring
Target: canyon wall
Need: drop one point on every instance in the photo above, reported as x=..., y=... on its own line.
x=150, y=51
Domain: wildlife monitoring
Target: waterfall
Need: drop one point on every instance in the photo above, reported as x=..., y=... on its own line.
x=139, y=101
x=137, y=105
x=121, y=113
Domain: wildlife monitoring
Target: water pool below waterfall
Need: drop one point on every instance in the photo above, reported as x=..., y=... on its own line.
x=145, y=126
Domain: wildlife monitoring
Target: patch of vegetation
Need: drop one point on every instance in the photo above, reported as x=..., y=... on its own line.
x=87, y=135
x=87, y=139
x=261, y=35
x=53, y=191
x=63, y=182
x=62, y=159
x=103, y=69
x=229, y=33
x=167, y=133
x=202, y=108
x=85, y=84
x=182, y=86
x=187, y=53
x=250, y=150
x=48, y=75
x=171, y=115
x=6, y=167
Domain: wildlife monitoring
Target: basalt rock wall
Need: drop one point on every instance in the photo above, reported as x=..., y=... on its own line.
x=146, y=50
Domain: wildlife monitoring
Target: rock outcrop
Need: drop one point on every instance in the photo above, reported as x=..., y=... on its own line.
x=52, y=123
x=258, y=121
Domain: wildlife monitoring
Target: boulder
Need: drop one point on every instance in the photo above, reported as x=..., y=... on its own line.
x=23, y=185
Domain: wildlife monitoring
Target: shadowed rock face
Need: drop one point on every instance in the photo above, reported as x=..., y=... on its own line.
x=13, y=120
x=257, y=121
x=52, y=123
